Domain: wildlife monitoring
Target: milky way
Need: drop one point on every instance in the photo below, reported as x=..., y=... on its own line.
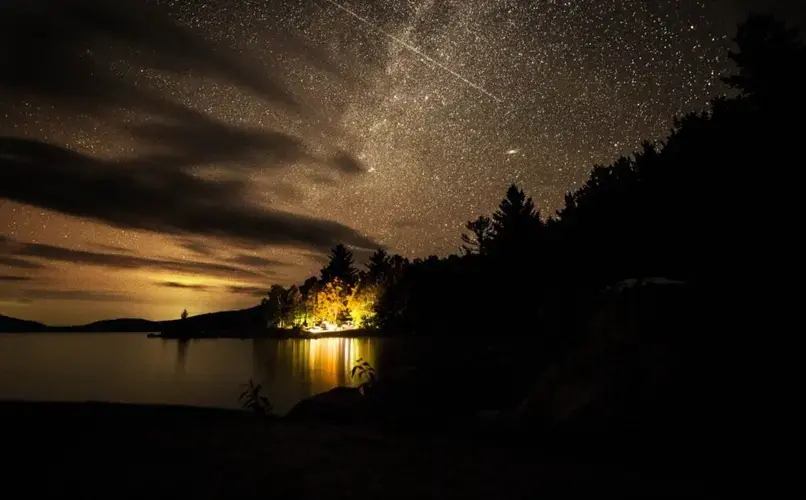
x=430, y=109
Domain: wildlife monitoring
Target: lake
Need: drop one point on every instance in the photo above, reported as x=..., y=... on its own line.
x=128, y=367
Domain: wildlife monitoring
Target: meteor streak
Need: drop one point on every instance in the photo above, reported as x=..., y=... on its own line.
x=413, y=49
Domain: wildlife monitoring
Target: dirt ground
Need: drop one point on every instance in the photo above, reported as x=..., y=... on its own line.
x=93, y=450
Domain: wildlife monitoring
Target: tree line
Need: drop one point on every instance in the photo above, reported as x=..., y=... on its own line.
x=708, y=206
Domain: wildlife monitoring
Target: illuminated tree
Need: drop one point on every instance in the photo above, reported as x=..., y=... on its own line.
x=295, y=310
x=361, y=304
x=328, y=303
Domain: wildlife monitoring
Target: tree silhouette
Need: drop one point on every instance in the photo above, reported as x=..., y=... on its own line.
x=184, y=314
x=481, y=233
x=340, y=266
x=379, y=267
x=515, y=224
x=308, y=286
x=679, y=209
x=770, y=59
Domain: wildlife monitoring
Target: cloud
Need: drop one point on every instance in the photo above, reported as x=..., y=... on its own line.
x=197, y=139
x=189, y=286
x=113, y=248
x=148, y=196
x=19, y=263
x=88, y=57
x=198, y=247
x=253, y=291
x=119, y=261
x=347, y=164
x=13, y=278
x=30, y=295
x=61, y=49
x=255, y=261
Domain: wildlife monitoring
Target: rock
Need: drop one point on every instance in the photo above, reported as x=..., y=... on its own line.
x=640, y=367
x=342, y=405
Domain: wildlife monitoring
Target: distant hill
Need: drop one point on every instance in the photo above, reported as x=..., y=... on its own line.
x=113, y=325
x=14, y=325
x=222, y=321
x=244, y=320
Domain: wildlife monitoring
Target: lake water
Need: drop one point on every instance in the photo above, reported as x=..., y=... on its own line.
x=128, y=367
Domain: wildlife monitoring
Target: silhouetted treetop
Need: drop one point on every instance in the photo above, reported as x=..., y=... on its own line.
x=341, y=265
x=379, y=268
x=515, y=225
x=481, y=233
x=771, y=59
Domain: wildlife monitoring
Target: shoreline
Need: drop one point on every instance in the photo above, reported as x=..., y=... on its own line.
x=276, y=334
x=200, y=452
x=358, y=333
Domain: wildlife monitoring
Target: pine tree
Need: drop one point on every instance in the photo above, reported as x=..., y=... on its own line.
x=515, y=225
x=379, y=268
x=341, y=266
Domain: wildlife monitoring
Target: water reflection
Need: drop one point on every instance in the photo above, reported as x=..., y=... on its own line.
x=311, y=366
x=289, y=369
x=181, y=356
x=131, y=368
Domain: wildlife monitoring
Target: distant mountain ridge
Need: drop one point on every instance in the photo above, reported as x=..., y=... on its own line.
x=238, y=320
x=8, y=325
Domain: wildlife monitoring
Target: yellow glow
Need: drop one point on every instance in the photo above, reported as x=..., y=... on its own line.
x=335, y=307
x=329, y=361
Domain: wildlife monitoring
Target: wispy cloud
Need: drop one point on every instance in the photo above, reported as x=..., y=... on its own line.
x=188, y=286
x=19, y=263
x=254, y=291
x=13, y=278
x=87, y=56
x=11, y=251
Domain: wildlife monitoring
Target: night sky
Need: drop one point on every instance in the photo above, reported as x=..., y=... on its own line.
x=161, y=155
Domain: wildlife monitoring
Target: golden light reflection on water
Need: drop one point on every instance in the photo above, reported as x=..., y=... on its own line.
x=293, y=369
x=132, y=368
x=324, y=363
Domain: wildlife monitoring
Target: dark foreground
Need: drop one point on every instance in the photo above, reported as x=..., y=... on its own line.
x=137, y=451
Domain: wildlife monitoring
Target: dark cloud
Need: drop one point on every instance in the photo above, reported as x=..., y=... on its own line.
x=174, y=284
x=347, y=164
x=198, y=247
x=19, y=263
x=13, y=278
x=254, y=291
x=87, y=57
x=119, y=261
x=143, y=195
x=113, y=248
x=62, y=49
x=286, y=191
x=198, y=140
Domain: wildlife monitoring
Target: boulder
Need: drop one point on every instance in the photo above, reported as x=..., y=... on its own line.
x=342, y=405
x=639, y=368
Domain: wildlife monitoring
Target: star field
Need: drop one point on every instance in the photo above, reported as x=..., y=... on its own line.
x=432, y=107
